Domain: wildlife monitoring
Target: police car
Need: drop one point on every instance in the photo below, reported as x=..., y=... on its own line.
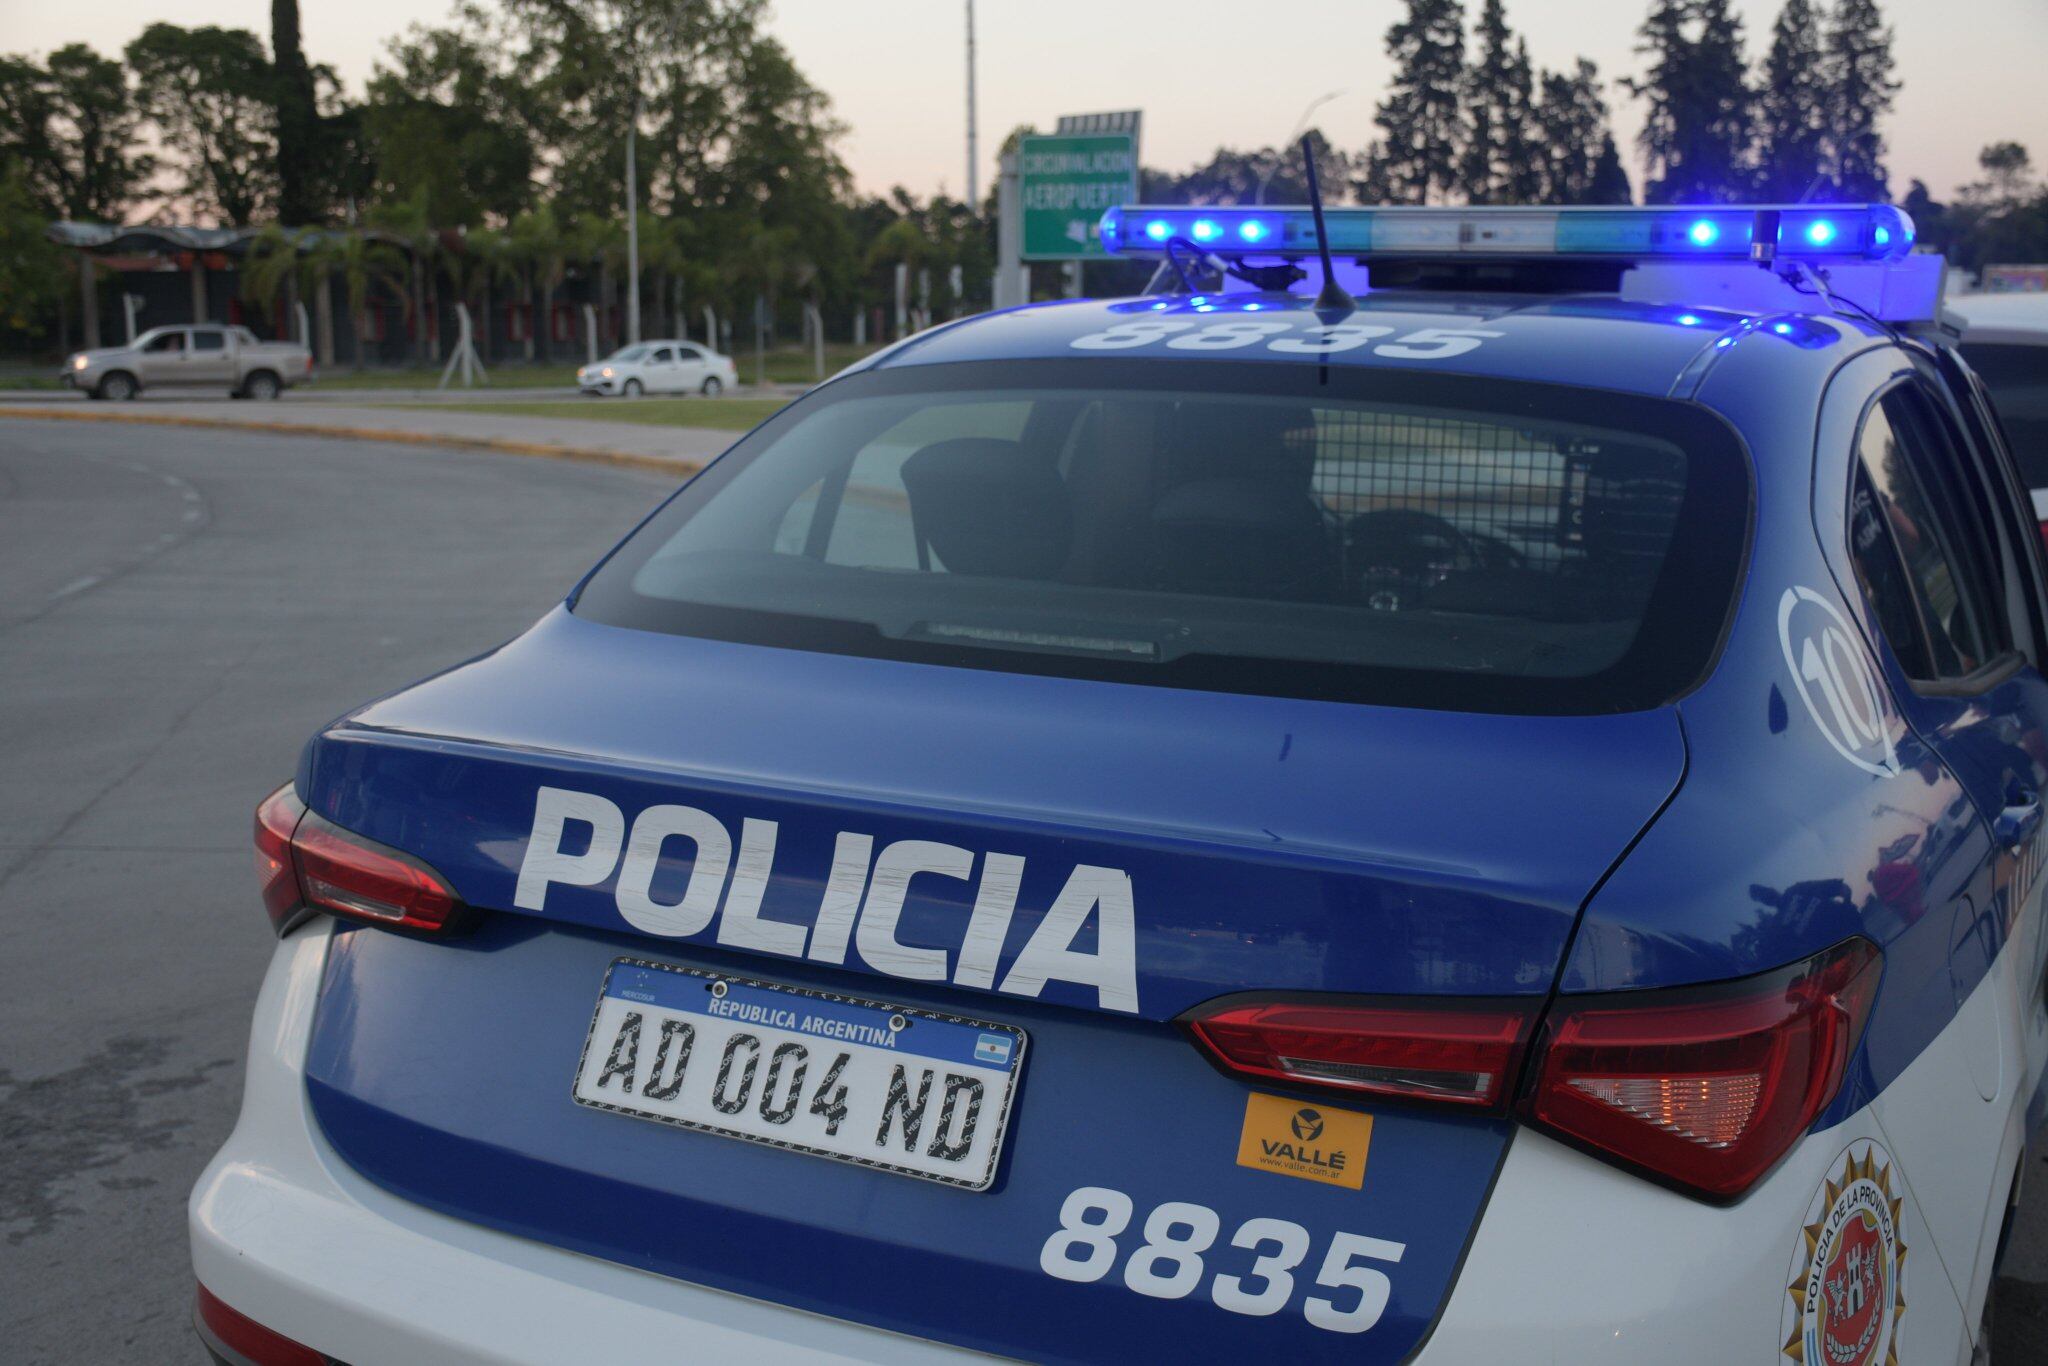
x=1483, y=804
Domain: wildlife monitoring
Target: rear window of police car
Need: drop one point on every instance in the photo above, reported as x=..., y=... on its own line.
x=1412, y=540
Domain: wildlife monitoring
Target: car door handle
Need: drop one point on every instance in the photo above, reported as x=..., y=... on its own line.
x=2018, y=822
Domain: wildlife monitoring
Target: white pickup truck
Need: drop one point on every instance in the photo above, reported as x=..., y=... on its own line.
x=206, y=355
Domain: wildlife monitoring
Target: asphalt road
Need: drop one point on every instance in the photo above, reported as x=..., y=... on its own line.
x=178, y=611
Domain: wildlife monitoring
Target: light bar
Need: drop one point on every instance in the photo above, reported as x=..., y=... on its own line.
x=1715, y=232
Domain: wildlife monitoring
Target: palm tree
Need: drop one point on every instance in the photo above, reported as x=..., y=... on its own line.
x=409, y=223
x=273, y=266
x=537, y=244
x=600, y=240
x=661, y=255
x=902, y=242
x=486, y=257
x=359, y=260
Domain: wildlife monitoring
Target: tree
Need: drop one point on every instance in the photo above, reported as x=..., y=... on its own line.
x=69, y=127
x=1860, y=92
x=1499, y=163
x=209, y=91
x=298, y=119
x=1930, y=217
x=1420, y=122
x=446, y=123
x=359, y=261
x=1574, y=147
x=2004, y=216
x=408, y=222
x=1232, y=176
x=1696, y=129
x=1792, y=106
x=1610, y=177
x=29, y=261
x=539, y=243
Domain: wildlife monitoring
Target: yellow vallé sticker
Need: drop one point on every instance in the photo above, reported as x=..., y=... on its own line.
x=1313, y=1142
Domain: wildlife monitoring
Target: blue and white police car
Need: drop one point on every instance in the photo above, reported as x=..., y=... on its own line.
x=1488, y=813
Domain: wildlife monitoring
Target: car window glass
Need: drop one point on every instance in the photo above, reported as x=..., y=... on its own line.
x=1201, y=527
x=1978, y=543
x=690, y=353
x=209, y=341
x=663, y=356
x=873, y=528
x=2002, y=500
x=245, y=336
x=168, y=341
x=1894, y=471
x=1882, y=571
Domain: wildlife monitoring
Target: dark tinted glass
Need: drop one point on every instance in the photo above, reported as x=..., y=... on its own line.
x=1883, y=572
x=1897, y=456
x=1414, y=540
x=209, y=341
x=2017, y=377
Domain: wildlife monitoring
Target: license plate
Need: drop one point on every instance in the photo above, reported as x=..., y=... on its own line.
x=890, y=1087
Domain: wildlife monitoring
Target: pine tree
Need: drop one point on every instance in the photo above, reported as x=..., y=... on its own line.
x=1420, y=119
x=1498, y=162
x=298, y=121
x=1610, y=179
x=1696, y=130
x=1575, y=154
x=1859, y=51
x=1369, y=183
x=1792, y=114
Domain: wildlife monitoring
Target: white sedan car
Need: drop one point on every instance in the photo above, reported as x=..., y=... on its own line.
x=659, y=367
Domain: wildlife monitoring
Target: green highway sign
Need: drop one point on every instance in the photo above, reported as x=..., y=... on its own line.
x=1065, y=182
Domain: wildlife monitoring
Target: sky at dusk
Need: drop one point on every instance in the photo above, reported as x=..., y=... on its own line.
x=1200, y=69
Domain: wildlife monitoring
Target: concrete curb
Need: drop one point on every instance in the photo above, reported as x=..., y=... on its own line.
x=681, y=467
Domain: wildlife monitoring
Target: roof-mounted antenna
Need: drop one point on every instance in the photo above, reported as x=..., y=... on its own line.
x=1332, y=298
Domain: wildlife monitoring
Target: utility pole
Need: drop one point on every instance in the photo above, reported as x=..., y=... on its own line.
x=973, y=198
x=633, y=222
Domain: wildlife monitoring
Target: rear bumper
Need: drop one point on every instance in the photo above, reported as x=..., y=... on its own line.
x=286, y=1233
x=1571, y=1261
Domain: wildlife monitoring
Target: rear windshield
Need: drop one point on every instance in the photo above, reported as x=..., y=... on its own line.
x=2017, y=376
x=1413, y=540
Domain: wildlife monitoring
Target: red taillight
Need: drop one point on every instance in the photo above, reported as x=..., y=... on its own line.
x=1459, y=1053
x=307, y=863
x=340, y=871
x=276, y=818
x=1705, y=1088
x=247, y=1339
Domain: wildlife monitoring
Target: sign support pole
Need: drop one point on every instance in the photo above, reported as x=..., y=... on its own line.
x=1009, y=237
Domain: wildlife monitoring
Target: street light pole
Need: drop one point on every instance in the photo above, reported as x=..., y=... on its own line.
x=973, y=198
x=633, y=226
x=1300, y=127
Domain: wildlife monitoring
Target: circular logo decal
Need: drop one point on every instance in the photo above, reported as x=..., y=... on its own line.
x=1308, y=1125
x=1849, y=1275
x=1833, y=678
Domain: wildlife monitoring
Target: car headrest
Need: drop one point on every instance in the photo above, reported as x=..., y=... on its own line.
x=1271, y=443
x=989, y=507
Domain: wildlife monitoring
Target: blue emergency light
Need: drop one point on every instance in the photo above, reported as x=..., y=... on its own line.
x=1807, y=232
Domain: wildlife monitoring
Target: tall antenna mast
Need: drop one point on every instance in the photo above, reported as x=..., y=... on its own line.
x=973, y=196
